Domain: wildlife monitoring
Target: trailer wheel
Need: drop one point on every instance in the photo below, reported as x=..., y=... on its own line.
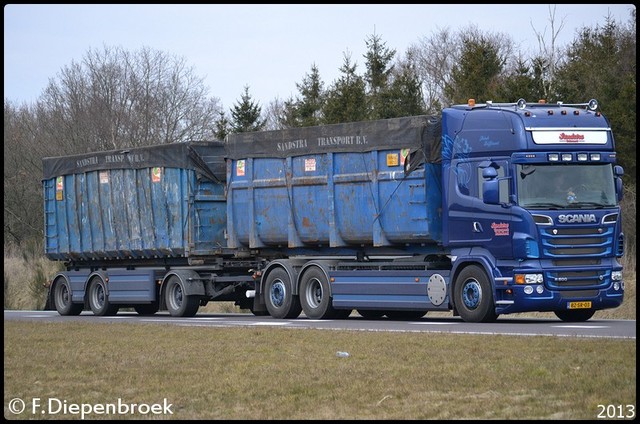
x=278, y=295
x=99, y=300
x=575, y=315
x=147, y=308
x=62, y=299
x=473, y=295
x=180, y=304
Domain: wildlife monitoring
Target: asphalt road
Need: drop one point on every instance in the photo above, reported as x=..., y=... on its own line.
x=603, y=328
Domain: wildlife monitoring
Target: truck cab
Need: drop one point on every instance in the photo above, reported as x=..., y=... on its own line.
x=532, y=192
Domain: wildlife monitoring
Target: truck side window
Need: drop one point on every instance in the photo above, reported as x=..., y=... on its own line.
x=463, y=178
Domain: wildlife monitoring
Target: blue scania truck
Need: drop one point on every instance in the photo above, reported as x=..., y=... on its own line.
x=463, y=212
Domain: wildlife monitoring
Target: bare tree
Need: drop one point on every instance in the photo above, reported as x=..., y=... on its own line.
x=550, y=56
x=438, y=56
x=115, y=99
x=435, y=57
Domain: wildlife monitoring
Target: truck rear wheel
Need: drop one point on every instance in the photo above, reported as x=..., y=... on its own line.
x=62, y=299
x=99, y=299
x=179, y=303
x=278, y=295
x=315, y=296
x=473, y=295
x=575, y=315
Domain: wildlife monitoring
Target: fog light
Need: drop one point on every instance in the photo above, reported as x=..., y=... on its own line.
x=539, y=289
x=616, y=286
x=528, y=289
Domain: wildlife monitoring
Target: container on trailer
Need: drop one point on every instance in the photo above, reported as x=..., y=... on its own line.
x=155, y=202
x=341, y=185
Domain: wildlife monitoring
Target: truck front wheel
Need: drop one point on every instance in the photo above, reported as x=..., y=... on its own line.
x=278, y=295
x=62, y=299
x=179, y=303
x=473, y=295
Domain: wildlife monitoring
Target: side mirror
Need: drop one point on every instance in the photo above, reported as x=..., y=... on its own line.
x=618, y=172
x=489, y=173
x=491, y=191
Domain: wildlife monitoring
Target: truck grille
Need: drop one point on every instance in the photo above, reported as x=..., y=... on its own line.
x=565, y=243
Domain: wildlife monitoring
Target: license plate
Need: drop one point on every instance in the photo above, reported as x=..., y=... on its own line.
x=579, y=305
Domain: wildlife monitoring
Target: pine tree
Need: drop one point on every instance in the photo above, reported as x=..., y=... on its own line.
x=246, y=114
x=346, y=99
x=378, y=71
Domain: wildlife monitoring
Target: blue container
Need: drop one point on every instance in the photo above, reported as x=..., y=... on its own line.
x=340, y=185
x=153, y=202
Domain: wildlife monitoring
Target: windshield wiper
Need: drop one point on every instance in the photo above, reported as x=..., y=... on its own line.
x=549, y=205
x=597, y=205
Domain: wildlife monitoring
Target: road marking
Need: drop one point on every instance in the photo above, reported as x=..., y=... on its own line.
x=581, y=326
x=434, y=323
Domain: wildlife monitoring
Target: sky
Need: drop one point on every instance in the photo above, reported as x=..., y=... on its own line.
x=268, y=48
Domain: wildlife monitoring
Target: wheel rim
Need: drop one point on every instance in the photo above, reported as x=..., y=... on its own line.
x=313, y=294
x=98, y=296
x=278, y=293
x=471, y=294
x=63, y=297
x=175, y=297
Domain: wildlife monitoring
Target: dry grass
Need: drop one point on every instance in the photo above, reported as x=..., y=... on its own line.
x=246, y=373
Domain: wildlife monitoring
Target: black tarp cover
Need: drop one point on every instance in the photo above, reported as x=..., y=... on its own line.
x=418, y=133
x=207, y=158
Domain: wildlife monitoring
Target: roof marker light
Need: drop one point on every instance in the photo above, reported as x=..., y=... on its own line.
x=471, y=102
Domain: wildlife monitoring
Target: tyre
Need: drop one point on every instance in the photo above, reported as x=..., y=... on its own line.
x=473, y=295
x=147, y=308
x=278, y=295
x=314, y=294
x=99, y=299
x=179, y=303
x=365, y=313
x=405, y=315
x=580, y=315
x=62, y=299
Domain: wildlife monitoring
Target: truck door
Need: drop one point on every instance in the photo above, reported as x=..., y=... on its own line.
x=472, y=222
x=492, y=224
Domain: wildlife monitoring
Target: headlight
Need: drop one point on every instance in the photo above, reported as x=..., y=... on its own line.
x=616, y=275
x=528, y=278
x=533, y=278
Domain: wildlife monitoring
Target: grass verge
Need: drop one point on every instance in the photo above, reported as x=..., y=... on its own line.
x=257, y=373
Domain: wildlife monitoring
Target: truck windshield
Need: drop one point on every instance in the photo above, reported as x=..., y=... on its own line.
x=560, y=186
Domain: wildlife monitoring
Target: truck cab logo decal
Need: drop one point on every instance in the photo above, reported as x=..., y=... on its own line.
x=577, y=218
x=500, y=228
x=571, y=138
